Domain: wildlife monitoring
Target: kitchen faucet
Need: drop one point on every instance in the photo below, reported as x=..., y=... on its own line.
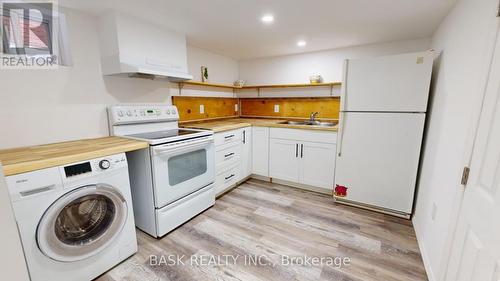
x=312, y=117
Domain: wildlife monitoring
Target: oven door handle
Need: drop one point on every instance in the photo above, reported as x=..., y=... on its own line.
x=183, y=145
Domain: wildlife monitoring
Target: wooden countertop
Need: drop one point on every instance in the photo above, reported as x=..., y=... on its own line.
x=27, y=159
x=236, y=123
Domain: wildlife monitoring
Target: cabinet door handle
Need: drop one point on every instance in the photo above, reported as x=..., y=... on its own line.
x=229, y=155
x=296, y=150
x=228, y=137
x=232, y=175
x=301, y=150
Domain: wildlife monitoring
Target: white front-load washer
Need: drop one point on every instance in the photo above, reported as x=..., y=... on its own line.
x=75, y=221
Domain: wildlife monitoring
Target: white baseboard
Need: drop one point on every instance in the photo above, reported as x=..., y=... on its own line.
x=423, y=252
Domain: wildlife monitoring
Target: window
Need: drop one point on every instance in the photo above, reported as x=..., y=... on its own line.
x=34, y=30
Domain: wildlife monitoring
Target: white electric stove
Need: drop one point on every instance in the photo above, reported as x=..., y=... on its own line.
x=172, y=180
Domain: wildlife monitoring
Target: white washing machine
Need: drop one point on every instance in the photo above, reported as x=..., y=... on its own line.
x=76, y=221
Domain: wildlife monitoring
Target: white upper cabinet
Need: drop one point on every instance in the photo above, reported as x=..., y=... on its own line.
x=133, y=46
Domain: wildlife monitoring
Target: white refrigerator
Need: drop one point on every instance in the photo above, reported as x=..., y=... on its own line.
x=383, y=110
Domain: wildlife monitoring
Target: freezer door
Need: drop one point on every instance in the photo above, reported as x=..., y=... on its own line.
x=378, y=156
x=397, y=83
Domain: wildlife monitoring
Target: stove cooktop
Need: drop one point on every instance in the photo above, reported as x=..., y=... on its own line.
x=171, y=135
x=163, y=134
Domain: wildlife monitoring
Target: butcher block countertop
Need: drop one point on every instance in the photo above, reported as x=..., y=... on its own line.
x=222, y=125
x=27, y=159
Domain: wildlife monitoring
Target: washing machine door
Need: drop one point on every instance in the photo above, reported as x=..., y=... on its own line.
x=82, y=223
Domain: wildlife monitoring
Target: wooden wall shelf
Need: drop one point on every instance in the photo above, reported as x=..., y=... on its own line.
x=292, y=85
x=330, y=84
x=195, y=83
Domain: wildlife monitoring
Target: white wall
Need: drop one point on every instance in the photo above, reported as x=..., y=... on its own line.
x=39, y=106
x=463, y=38
x=11, y=256
x=221, y=69
x=329, y=64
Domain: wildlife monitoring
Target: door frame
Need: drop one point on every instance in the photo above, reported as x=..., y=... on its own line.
x=477, y=110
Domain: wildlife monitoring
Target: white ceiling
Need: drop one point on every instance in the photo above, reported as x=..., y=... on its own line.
x=233, y=27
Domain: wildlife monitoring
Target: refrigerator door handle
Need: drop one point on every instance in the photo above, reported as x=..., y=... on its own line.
x=343, y=101
x=343, y=89
x=296, y=150
x=340, y=135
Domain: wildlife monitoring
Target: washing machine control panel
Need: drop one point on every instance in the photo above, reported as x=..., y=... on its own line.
x=93, y=167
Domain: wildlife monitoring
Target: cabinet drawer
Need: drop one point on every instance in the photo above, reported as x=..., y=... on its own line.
x=227, y=137
x=227, y=155
x=303, y=135
x=226, y=179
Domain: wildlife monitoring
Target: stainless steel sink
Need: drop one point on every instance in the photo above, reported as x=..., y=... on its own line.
x=327, y=124
x=310, y=123
x=295, y=122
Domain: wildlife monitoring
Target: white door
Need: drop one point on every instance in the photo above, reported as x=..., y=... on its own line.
x=378, y=156
x=260, y=151
x=317, y=164
x=397, y=83
x=246, y=153
x=284, y=159
x=476, y=247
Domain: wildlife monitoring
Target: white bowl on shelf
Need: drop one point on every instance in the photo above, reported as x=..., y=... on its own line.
x=315, y=79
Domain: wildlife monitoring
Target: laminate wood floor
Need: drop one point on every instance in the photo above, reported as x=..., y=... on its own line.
x=264, y=231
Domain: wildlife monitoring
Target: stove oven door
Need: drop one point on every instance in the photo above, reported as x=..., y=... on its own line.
x=181, y=168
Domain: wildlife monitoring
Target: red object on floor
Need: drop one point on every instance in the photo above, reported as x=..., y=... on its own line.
x=340, y=191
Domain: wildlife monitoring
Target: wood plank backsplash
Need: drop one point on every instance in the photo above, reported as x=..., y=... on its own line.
x=328, y=108
x=189, y=107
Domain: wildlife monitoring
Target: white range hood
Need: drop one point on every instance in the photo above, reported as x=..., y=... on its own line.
x=136, y=48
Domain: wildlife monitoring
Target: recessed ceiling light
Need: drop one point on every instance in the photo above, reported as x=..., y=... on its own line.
x=267, y=19
x=301, y=43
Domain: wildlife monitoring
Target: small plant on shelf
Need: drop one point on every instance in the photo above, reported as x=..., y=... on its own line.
x=204, y=74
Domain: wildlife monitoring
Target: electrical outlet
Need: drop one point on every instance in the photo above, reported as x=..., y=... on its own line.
x=276, y=108
x=236, y=107
x=434, y=211
x=202, y=109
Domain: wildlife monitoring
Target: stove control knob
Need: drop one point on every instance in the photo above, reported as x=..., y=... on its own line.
x=129, y=113
x=104, y=164
x=167, y=112
x=174, y=112
x=120, y=113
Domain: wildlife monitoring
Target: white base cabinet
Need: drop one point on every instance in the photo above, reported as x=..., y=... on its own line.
x=317, y=164
x=284, y=161
x=233, y=158
x=260, y=151
x=303, y=157
x=246, y=153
